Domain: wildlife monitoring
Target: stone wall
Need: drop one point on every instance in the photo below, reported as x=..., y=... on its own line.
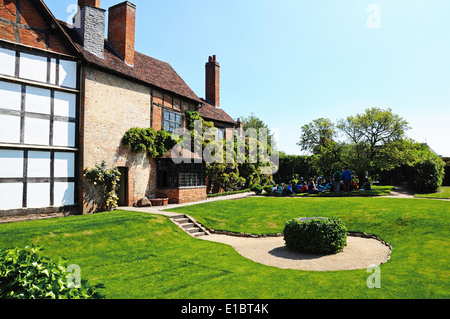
x=113, y=105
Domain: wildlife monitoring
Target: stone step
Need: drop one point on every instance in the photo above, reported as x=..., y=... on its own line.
x=198, y=234
x=192, y=229
x=189, y=225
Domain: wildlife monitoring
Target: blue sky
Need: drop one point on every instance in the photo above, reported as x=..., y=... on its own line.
x=291, y=61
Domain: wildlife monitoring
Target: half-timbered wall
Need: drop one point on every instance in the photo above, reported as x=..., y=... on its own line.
x=38, y=129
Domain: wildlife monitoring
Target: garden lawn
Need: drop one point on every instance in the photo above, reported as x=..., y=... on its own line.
x=139, y=255
x=376, y=191
x=443, y=193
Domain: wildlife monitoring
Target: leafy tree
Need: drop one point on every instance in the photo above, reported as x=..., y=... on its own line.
x=373, y=136
x=253, y=122
x=426, y=172
x=317, y=135
x=233, y=170
x=374, y=141
x=374, y=129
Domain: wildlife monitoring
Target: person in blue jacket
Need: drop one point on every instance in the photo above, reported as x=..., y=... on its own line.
x=347, y=178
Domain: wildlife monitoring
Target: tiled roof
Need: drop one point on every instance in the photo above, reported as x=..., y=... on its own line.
x=210, y=112
x=180, y=153
x=146, y=69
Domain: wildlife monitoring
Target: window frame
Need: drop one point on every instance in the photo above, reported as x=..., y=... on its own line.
x=184, y=175
x=170, y=122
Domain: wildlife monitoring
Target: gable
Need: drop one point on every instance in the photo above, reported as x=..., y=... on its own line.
x=29, y=22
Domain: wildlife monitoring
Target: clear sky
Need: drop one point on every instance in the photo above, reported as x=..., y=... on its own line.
x=292, y=61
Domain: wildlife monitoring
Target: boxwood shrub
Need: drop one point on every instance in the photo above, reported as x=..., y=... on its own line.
x=316, y=236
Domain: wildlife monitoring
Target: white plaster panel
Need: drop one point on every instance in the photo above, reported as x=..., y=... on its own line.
x=65, y=104
x=9, y=128
x=11, y=195
x=8, y=62
x=68, y=74
x=63, y=134
x=11, y=164
x=37, y=131
x=37, y=100
x=64, y=194
x=33, y=67
x=38, y=195
x=10, y=95
x=38, y=164
x=53, y=71
x=64, y=165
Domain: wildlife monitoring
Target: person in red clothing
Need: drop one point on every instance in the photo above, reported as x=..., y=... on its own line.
x=304, y=188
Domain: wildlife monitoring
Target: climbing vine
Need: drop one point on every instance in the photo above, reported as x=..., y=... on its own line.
x=105, y=181
x=154, y=143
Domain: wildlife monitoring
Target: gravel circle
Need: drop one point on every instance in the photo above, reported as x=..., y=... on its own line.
x=360, y=253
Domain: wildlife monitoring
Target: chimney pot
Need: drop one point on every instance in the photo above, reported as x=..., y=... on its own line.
x=121, y=30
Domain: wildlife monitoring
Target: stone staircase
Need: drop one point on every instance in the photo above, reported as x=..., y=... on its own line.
x=190, y=225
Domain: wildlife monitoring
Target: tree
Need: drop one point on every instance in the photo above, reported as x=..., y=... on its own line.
x=373, y=136
x=427, y=171
x=374, y=128
x=253, y=122
x=317, y=134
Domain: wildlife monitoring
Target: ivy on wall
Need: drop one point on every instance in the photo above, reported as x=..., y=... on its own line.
x=154, y=143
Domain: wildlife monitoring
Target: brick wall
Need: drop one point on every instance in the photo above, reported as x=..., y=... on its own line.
x=183, y=195
x=42, y=36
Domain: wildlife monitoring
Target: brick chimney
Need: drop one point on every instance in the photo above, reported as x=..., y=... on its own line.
x=91, y=3
x=89, y=22
x=213, y=81
x=121, y=30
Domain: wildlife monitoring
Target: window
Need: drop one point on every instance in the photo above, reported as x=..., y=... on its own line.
x=171, y=175
x=36, y=179
x=172, y=121
x=48, y=116
x=38, y=68
x=37, y=130
x=220, y=134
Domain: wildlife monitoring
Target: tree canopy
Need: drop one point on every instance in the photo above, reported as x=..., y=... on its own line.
x=374, y=141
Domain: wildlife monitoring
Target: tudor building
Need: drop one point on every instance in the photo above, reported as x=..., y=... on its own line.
x=39, y=89
x=67, y=97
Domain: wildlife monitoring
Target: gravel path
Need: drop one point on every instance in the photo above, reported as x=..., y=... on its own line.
x=360, y=253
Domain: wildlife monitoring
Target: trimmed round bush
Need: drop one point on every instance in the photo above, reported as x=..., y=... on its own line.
x=315, y=235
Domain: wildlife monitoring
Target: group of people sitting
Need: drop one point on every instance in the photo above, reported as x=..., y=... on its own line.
x=341, y=179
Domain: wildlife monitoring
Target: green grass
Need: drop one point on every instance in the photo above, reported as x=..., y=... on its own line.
x=138, y=255
x=376, y=191
x=443, y=193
